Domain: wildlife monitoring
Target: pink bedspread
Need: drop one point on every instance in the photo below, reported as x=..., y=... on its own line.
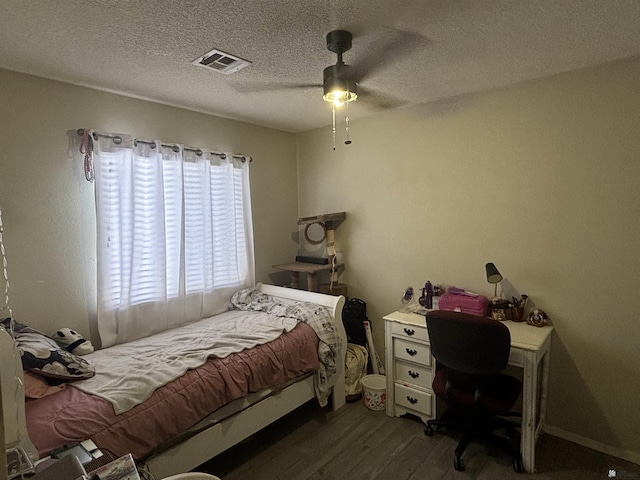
x=72, y=415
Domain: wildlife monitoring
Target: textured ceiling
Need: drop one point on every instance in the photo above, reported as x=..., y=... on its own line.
x=417, y=51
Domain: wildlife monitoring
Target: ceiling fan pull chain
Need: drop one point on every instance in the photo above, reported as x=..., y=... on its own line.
x=333, y=111
x=347, y=141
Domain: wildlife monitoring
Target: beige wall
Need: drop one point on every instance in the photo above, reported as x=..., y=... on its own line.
x=540, y=178
x=48, y=207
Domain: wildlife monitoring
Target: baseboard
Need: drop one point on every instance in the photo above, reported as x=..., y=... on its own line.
x=627, y=455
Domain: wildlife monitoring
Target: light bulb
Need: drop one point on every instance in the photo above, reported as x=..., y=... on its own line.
x=340, y=97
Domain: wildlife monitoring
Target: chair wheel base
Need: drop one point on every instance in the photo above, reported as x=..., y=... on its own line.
x=428, y=431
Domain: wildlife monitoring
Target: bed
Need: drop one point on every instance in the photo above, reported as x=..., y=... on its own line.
x=193, y=424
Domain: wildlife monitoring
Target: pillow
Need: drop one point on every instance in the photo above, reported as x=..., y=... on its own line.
x=43, y=356
x=37, y=387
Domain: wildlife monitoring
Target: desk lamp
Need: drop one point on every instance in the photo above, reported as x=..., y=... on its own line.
x=493, y=276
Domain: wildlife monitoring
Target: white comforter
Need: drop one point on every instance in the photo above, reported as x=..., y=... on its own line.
x=127, y=374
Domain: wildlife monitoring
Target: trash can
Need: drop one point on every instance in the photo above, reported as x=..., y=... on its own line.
x=374, y=391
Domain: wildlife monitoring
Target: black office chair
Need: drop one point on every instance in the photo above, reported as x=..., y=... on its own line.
x=471, y=352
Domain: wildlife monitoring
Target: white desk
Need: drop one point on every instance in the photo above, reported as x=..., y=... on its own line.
x=529, y=351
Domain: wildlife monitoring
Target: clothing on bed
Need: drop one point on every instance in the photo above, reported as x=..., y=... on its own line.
x=316, y=316
x=36, y=386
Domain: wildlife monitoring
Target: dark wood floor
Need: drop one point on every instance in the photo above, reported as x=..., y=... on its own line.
x=356, y=443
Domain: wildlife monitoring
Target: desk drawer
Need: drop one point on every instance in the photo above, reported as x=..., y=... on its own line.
x=412, y=351
x=414, y=399
x=410, y=331
x=413, y=374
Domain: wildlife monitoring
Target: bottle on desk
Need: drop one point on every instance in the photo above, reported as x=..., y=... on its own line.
x=435, y=301
x=426, y=300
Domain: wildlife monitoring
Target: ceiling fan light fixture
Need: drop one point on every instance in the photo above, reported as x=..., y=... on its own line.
x=338, y=81
x=336, y=86
x=340, y=97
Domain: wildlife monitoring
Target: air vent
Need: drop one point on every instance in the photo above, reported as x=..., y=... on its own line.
x=221, y=62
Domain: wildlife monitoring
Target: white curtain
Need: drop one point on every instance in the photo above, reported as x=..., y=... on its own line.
x=175, y=235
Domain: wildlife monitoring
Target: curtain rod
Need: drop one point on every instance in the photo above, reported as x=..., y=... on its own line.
x=118, y=140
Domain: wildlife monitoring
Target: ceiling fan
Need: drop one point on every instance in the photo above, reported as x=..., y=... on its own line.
x=343, y=83
x=342, y=77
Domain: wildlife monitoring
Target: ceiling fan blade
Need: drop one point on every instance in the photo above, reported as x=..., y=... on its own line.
x=385, y=52
x=253, y=87
x=378, y=99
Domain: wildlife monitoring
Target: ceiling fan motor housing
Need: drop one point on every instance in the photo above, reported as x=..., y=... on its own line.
x=338, y=77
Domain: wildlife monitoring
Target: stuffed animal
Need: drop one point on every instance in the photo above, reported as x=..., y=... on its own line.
x=73, y=342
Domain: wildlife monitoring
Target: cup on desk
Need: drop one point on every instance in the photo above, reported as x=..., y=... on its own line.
x=517, y=313
x=517, y=308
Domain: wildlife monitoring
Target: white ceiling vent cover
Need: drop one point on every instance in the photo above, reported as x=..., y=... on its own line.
x=221, y=62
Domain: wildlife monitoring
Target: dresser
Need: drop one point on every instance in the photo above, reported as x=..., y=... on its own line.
x=410, y=366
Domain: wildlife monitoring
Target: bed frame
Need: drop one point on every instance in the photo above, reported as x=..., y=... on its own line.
x=208, y=443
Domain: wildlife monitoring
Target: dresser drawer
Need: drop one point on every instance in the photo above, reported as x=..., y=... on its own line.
x=413, y=374
x=410, y=331
x=414, y=399
x=412, y=351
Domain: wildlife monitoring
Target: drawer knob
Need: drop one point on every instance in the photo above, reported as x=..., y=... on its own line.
x=409, y=331
x=411, y=351
x=412, y=400
x=413, y=374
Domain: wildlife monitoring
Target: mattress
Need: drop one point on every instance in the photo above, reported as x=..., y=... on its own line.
x=73, y=415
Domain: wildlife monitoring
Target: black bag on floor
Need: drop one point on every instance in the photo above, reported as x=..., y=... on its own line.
x=354, y=313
